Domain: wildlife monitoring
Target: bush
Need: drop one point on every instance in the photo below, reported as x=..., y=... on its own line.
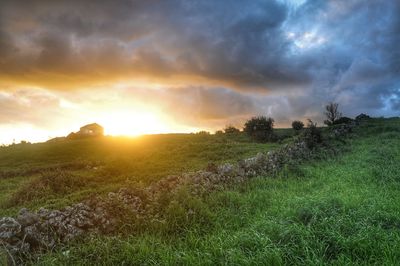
x=297, y=125
x=343, y=120
x=203, y=133
x=231, y=130
x=362, y=117
x=312, y=135
x=260, y=128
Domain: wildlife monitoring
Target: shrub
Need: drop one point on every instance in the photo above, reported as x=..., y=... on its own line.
x=343, y=120
x=297, y=125
x=231, y=130
x=362, y=117
x=332, y=113
x=312, y=135
x=219, y=132
x=260, y=128
x=203, y=133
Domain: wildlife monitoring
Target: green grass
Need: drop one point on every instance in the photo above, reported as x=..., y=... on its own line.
x=342, y=210
x=56, y=174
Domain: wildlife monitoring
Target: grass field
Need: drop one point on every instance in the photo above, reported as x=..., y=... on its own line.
x=336, y=210
x=79, y=168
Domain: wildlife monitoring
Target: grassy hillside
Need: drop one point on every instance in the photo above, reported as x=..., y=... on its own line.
x=341, y=209
x=56, y=174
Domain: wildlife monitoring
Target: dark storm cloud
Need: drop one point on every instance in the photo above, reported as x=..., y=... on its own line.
x=212, y=104
x=358, y=64
x=302, y=56
x=228, y=42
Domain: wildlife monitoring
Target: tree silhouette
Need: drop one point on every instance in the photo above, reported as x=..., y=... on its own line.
x=260, y=128
x=231, y=130
x=297, y=125
x=332, y=113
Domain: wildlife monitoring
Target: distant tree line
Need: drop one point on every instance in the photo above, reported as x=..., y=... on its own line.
x=261, y=128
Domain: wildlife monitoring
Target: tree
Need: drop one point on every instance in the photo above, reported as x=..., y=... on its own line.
x=297, y=125
x=203, y=133
x=260, y=128
x=332, y=113
x=219, y=132
x=231, y=130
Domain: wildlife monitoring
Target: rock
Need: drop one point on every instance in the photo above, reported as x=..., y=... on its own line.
x=226, y=169
x=112, y=195
x=38, y=236
x=42, y=212
x=9, y=228
x=26, y=218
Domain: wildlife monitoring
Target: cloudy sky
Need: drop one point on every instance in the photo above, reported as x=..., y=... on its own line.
x=181, y=65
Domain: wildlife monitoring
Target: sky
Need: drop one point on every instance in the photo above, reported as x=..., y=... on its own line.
x=162, y=66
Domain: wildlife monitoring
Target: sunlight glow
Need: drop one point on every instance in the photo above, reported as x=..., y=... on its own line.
x=15, y=133
x=133, y=123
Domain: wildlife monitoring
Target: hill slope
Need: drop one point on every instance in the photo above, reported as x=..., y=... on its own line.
x=56, y=174
x=334, y=210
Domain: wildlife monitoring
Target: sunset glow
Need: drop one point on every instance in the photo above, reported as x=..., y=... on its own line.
x=199, y=132
x=139, y=68
x=132, y=123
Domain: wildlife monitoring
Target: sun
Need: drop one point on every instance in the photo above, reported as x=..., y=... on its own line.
x=133, y=123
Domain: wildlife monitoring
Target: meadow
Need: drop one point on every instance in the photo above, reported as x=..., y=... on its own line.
x=55, y=174
x=337, y=208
